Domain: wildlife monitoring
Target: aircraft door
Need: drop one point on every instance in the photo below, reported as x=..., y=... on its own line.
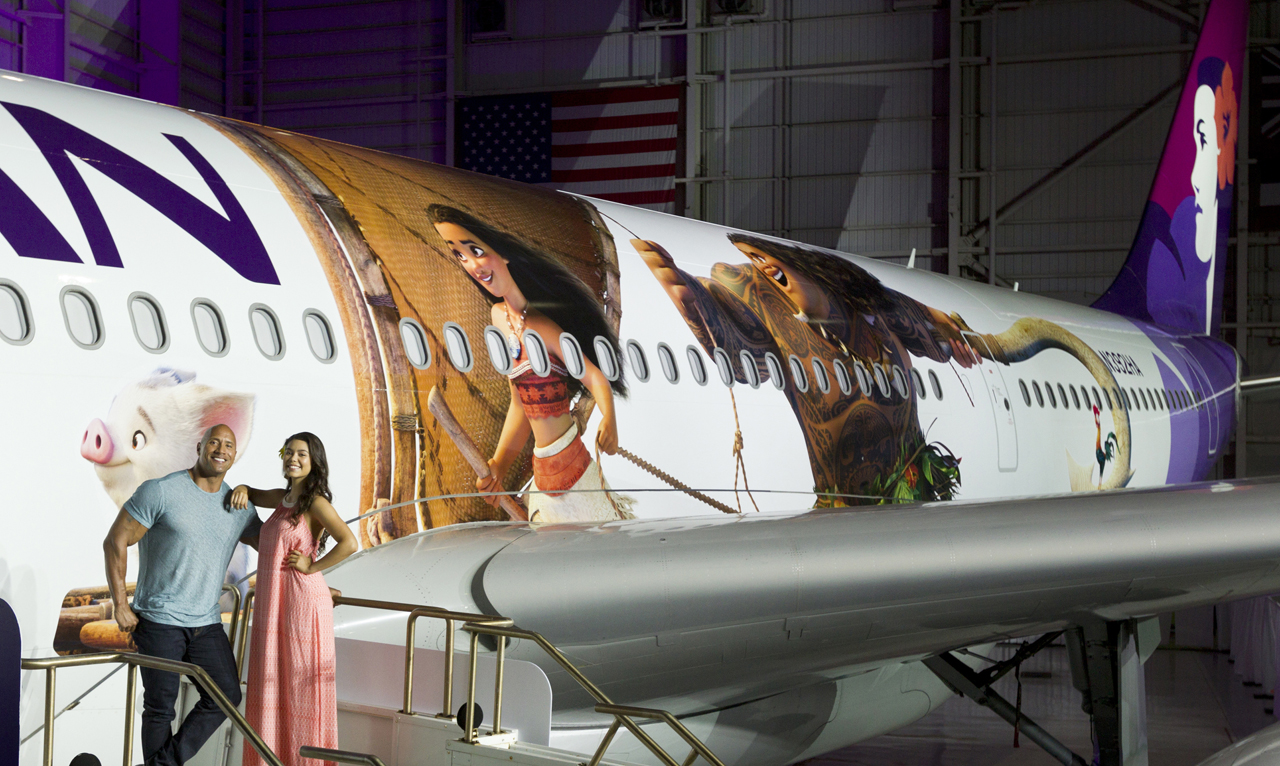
x=1001, y=404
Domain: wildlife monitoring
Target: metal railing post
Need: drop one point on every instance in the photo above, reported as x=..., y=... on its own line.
x=604, y=743
x=408, y=663
x=497, y=685
x=235, y=611
x=447, y=708
x=244, y=633
x=130, y=703
x=50, y=684
x=470, y=733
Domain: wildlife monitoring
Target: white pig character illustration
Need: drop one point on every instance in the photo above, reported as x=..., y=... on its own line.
x=152, y=429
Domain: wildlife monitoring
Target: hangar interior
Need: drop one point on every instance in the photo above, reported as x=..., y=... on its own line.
x=1010, y=141
x=876, y=127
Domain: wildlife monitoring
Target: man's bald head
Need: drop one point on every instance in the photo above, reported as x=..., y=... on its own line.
x=216, y=451
x=222, y=429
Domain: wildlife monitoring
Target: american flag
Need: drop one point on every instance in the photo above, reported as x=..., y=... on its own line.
x=613, y=143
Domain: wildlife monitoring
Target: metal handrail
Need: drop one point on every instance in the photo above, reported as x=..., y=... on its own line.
x=51, y=664
x=414, y=611
x=235, y=611
x=622, y=715
x=340, y=756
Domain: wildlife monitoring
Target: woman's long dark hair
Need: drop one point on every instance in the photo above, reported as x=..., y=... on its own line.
x=316, y=483
x=548, y=286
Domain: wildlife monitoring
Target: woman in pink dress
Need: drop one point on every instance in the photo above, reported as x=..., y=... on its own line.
x=291, y=700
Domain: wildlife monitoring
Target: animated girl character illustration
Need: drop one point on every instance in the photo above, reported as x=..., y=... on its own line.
x=532, y=291
x=792, y=301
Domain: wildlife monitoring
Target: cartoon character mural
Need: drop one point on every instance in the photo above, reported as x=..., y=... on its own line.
x=149, y=431
x=531, y=292
x=792, y=302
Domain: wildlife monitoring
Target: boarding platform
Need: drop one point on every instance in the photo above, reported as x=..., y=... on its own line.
x=406, y=705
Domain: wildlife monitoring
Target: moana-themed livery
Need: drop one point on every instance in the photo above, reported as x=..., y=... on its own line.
x=624, y=390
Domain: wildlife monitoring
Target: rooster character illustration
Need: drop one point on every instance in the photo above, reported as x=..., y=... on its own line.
x=1103, y=450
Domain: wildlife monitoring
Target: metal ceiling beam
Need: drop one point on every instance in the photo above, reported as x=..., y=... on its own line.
x=1166, y=11
x=1055, y=175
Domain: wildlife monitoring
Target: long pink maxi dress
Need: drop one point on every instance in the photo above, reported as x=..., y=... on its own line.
x=291, y=699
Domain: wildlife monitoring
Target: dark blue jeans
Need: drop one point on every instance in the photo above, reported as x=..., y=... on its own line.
x=205, y=646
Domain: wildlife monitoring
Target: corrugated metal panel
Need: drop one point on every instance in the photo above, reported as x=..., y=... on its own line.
x=361, y=73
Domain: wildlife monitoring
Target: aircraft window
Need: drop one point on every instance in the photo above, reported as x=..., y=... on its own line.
x=723, y=366
x=1026, y=395
x=697, y=368
x=1155, y=397
x=148, y=322
x=820, y=376
x=798, y=374
x=211, y=330
x=918, y=384
x=1119, y=402
x=266, y=331
x=1169, y=402
x=935, y=384
x=1106, y=395
x=415, y=345
x=1039, y=396
x=1048, y=389
x=15, y=316
x=496, y=344
x=668, y=361
x=80, y=313
x=1128, y=403
x=571, y=353
x=538, y=357
x=607, y=358
x=864, y=378
x=882, y=380
x=749, y=368
x=458, y=347
x=319, y=335
x=842, y=377
x=1062, y=394
x=1146, y=404
x=776, y=373
x=1097, y=400
x=639, y=362
x=900, y=382
x=1075, y=399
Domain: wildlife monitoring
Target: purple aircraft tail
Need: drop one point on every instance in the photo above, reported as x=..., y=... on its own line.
x=1174, y=273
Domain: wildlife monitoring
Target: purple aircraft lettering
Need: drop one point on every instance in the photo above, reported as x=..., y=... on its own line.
x=233, y=239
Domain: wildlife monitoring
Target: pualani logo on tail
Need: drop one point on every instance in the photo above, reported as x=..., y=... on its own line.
x=1173, y=274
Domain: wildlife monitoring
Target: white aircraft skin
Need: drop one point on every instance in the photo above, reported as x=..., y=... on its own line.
x=59, y=504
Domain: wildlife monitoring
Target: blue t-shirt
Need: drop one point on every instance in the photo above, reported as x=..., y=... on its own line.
x=184, y=555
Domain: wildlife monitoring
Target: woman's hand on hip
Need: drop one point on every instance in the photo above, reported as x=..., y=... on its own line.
x=299, y=562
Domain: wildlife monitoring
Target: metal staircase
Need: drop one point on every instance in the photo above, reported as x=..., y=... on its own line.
x=495, y=743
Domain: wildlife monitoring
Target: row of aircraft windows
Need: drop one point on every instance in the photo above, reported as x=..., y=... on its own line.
x=1172, y=399
x=84, y=323
x=887, y=380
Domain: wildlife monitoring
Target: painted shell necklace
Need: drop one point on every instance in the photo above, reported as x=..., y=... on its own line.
x=513, y=337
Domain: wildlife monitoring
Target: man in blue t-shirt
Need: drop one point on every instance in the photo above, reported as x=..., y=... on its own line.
x=185, y=531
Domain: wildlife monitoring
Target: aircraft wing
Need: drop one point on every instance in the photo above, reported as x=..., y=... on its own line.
x=695, y=614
